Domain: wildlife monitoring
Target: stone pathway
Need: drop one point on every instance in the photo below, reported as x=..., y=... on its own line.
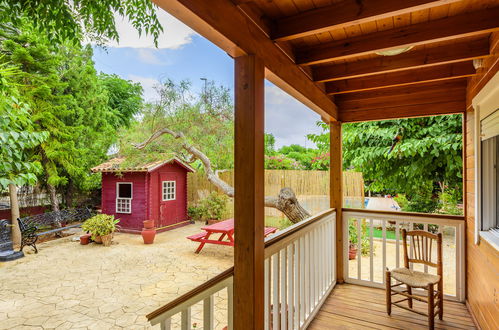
x=71, y=286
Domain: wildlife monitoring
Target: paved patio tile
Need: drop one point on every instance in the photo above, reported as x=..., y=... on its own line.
x=70, y=286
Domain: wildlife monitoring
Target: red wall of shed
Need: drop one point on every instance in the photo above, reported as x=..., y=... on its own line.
x=134, y=220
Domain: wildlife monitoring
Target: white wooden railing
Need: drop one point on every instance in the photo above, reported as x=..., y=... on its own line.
x=299, y=271
x=380, y=246
x=205, y=295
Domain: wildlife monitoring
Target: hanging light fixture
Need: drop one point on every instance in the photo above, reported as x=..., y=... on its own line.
x=394, y=51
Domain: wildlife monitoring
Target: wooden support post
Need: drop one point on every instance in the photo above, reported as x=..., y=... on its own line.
x=336, y=192
x=249, y=193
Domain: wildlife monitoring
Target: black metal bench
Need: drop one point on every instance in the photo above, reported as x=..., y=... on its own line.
x=57, y=221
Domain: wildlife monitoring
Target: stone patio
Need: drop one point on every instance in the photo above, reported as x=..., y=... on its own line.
x=71, y=286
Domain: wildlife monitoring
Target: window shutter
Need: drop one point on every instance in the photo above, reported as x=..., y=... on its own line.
x=489, y=126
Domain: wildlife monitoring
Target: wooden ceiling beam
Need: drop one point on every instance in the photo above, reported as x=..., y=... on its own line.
x=237, y=34
x=407, y=77
x=345, y=13
x=398, y=112
x=460, y=26
x=448, y=91
x=436, y=98
x=467, y=50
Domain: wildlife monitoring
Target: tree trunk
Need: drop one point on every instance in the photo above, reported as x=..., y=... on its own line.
x=54, y=203
x=14, y=214
x=286, y=201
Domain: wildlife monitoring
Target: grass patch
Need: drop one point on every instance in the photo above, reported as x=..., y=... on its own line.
x=378, y=233
x=278, y=222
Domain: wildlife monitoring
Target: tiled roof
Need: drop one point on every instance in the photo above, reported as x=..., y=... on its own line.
x=116, y=165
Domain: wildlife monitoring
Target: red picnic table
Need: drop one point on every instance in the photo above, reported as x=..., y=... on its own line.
x=225, y=228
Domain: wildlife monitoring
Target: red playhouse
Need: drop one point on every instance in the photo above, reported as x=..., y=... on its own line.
x=153, y=191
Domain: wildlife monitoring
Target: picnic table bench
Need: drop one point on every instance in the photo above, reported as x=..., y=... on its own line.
x=57, y=221
x=225, y=229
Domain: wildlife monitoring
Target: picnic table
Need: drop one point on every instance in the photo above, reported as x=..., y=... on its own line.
x=225, y=229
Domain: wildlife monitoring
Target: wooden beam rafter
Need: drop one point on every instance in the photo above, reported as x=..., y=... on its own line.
x=345, y=13
x=407, y=77
x=435, y=98
x=237, y=34
x=456, y=52
x=460, y=26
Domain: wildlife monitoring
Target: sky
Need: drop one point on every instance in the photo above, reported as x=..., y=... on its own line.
x=184, y=54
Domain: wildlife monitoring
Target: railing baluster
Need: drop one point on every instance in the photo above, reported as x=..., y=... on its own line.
x=359, y=250
x=383, y=226
x=166, y=324
x=208, y=321
x=303, y=280
x=283, y=290
x=425, y=248
x=267, y=284
x=230, y=309
x=185, y=322
x=297, y=296
x=275, y=291
x=397, y=244
x=309, y=281
x=371, y=251
x=290, y=306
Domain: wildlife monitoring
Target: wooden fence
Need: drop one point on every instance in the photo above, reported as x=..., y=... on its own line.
x=311, y=188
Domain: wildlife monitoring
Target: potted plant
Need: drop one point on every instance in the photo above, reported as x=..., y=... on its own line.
x=101, y=226
x=353, y=240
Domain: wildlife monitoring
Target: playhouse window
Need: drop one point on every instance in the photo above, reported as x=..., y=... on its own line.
x=168, y=190
x=124, y=197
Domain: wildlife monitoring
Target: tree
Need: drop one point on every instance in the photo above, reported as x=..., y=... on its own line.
x=124, y=98
x=70, y=101
x=74, y=20
x=208, y=123
x=419, y=157
x=18, y=139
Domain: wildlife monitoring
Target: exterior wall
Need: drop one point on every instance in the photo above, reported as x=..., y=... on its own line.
x=134, y=220
x=155, y=193
x=482, y=269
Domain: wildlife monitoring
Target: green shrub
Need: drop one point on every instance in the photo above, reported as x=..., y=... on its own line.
x=100, y=225
x=449, y=201
x=212, y=207
x=352, y=236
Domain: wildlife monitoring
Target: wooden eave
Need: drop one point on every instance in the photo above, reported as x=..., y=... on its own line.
x=320, y=51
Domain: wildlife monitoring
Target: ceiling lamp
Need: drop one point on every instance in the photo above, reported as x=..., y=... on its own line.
x=394, y=51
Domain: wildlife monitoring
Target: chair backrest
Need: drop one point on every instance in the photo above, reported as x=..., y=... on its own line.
x=422, y=244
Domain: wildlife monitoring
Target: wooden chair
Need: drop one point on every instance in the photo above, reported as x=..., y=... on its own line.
x=421, y=246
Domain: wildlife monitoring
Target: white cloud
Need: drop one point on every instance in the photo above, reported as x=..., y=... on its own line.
x=175, y=33
x=288, y=119
x=149, y=56
x=148, y=85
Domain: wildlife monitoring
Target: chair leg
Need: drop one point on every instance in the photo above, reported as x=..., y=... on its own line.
x=388, y=292
x=431, y=307
x=441, y=300
x=409, y=300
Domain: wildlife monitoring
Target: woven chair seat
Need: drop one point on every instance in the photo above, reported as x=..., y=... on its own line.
x=414, y=278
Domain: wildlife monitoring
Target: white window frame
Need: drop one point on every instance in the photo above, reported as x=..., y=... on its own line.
x=128, y=201
x=168, y=195
x=485, y=103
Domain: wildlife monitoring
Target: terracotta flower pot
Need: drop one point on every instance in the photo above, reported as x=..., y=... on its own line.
x=213, y=221
x=148, y=235
x=148, y=224
x=107, y=239
x=98, y=239
x=352, y=253
x=85, y=239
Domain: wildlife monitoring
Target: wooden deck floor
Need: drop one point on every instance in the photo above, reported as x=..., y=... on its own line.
x=357, y=307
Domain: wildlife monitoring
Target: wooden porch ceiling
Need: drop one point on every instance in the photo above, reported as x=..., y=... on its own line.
x=324, y=52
